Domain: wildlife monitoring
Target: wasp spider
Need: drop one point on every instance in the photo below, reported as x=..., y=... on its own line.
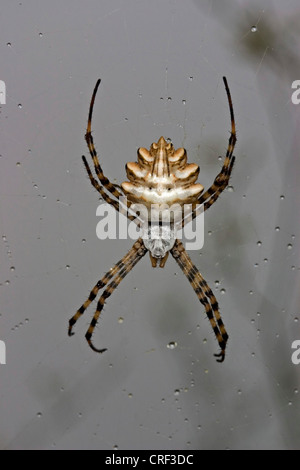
x=161, y=175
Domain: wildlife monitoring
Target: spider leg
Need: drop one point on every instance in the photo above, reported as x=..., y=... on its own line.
x=115, y=203
x=222, y=179
x=139, y=252
x=90, y=143
x=204, y=294
x=119, y=266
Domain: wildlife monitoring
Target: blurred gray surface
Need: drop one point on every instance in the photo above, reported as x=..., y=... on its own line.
x=161, y=64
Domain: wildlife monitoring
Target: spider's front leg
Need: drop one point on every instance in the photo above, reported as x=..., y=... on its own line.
x=113, y=202
x=104, y=181
x=209, y=197
x=90, y=143
x=222, y=180
x=204, y=294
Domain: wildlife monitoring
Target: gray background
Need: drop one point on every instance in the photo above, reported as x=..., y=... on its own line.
x=153, y=56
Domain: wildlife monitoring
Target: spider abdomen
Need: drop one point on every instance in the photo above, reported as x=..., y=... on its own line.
x=162, y=175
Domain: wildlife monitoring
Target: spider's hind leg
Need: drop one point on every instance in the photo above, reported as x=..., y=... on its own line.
x=204, y=294
x=116, y=274
x=136, y=253
x=118, y=267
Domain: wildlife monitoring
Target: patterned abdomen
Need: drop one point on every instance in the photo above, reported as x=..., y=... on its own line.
x=162, y=176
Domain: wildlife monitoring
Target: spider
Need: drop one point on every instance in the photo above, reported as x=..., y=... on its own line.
x=161, y=174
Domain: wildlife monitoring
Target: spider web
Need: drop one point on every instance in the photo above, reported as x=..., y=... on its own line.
x=158, y=385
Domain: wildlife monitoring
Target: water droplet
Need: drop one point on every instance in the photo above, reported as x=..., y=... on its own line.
x=282, y=197
x=83, y=240
x=7, y=282
x=8, y=44
x=204, y=341
x=26, y=320
x=217, y=283
x=239, y=392
x=230, y=189
x=256, y=264
x=120, y=320
x=44, y=196
x=277, y=229
x=115, y=447
x=290, y=403
x=296, y=391
x=172, y=345
x=250, y=292
x=20, y=106
x=39, y=414
x=289, y=246
x=169, y=98
x=296, y=319
x=18, y=163
x=176, y=392
x=222, y=291
x=259, y=243
x=35, y=186
x=12, y=268
x=130, y=395
x=191, y=78
x=253, y=29
x=67, y=266
x=4, y=238
x=183, y=101
x=79, y=415
x=40, y=35
x=266, y=260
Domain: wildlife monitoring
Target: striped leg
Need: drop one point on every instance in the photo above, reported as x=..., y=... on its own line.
x=105, y=196
x=221, y=181
x=125, y=264
x=138, y=253
x=90, y=142
x=205, y=295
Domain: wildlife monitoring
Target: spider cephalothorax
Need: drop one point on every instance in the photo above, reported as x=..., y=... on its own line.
x=160, y=177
